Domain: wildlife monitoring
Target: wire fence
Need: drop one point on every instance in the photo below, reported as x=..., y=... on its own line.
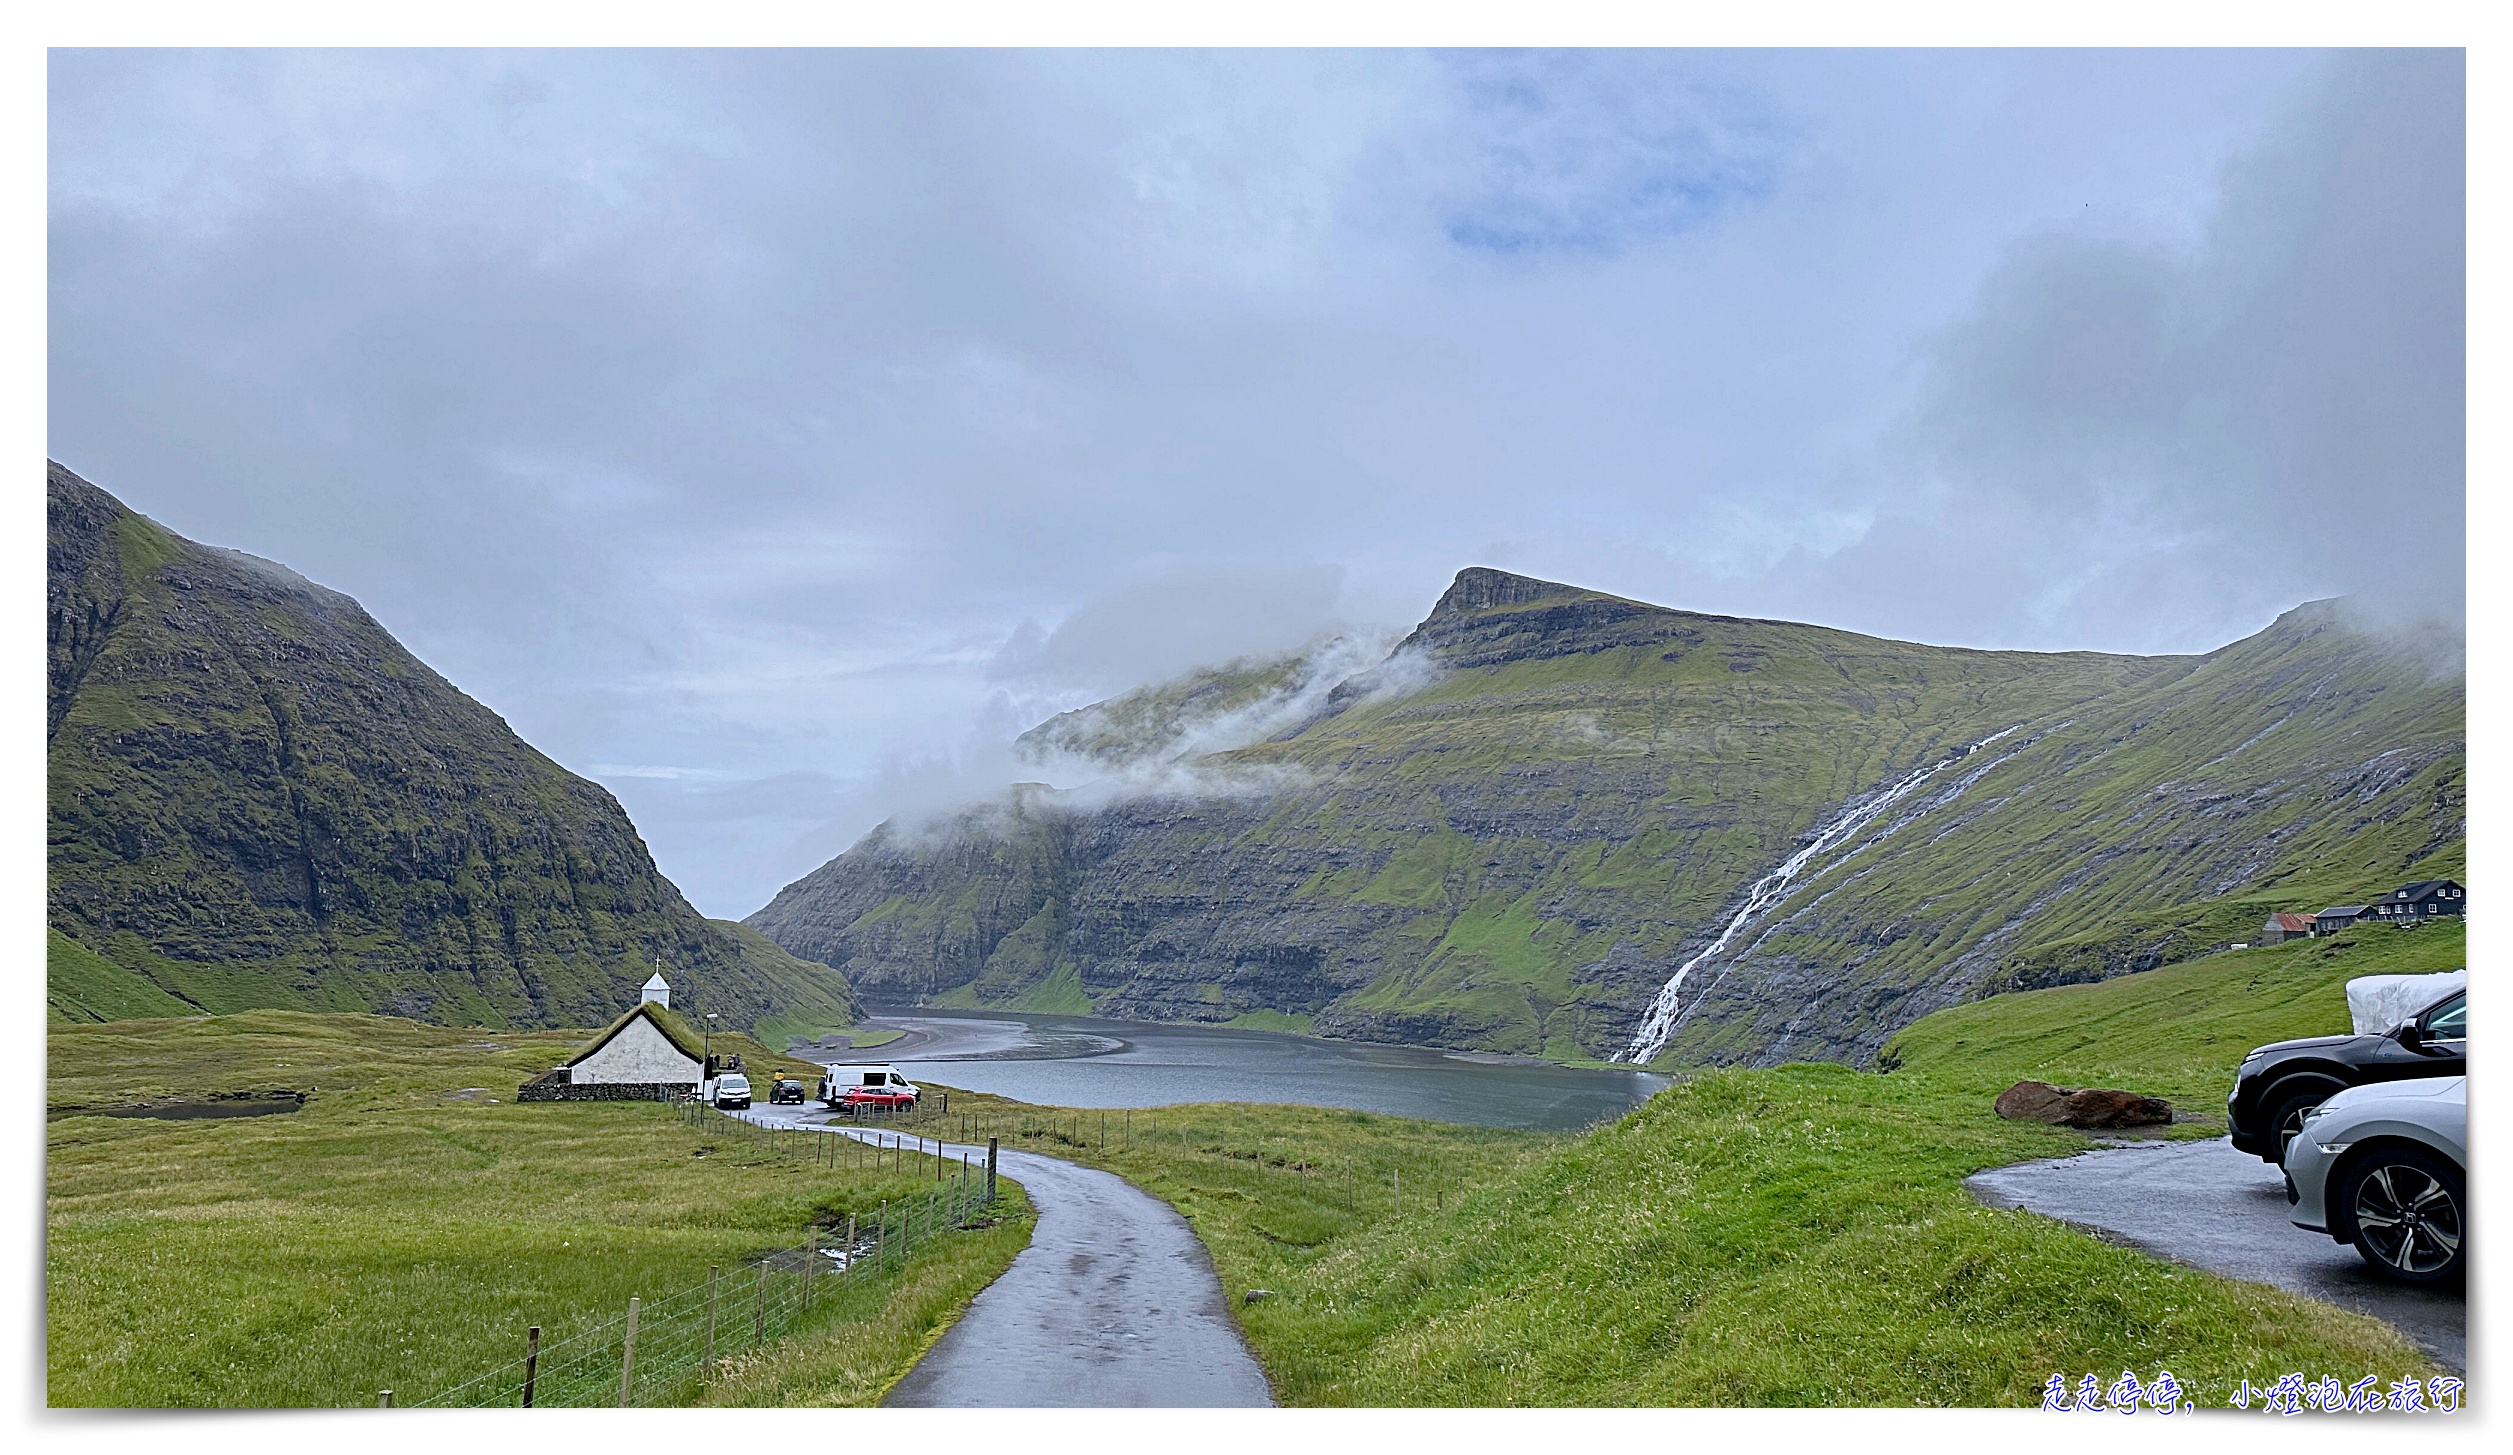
x=662, y=1351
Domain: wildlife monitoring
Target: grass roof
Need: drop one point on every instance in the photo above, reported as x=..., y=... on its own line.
x=679, y=1032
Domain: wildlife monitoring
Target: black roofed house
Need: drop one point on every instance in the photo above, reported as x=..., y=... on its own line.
x=2425, y=899
x=649, y=1054
x=2336, y=918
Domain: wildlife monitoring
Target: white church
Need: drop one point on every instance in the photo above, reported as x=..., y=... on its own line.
x=649, y=1054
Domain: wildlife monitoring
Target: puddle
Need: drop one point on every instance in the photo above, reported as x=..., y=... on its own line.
x=233, y=1104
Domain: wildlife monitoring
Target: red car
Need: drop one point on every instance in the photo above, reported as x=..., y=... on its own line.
x=876, y=1098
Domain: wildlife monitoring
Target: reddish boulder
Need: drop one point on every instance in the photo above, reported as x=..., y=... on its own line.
x=2086, y=1108
x=2033, y=1101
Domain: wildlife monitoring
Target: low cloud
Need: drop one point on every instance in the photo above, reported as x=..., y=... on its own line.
x=1138, y=746
x=1152, y=629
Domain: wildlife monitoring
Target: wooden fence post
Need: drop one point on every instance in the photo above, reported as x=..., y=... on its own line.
x=532, y=1361
x=849, y=1269
x=1396, y=1189
x=709, y=1365
x=384, y=1399
x=992, y=1145
x=759, y=1310
x=628, y=1353
x=811, y=1265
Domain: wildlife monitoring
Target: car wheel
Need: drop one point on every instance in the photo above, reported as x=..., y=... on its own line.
x=2408, y=1208
x=2287, y=1111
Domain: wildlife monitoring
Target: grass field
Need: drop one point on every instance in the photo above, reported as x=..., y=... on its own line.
x=1783, y=1237
x=402, y=1230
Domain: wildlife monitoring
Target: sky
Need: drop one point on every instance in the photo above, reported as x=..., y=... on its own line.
x=770, y=436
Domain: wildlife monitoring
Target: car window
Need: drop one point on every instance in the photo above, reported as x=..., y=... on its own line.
x=2450, y=1020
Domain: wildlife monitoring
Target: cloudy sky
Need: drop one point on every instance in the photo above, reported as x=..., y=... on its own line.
x=770, y=435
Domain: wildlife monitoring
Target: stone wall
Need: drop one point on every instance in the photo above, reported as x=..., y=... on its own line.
x=546, y=1090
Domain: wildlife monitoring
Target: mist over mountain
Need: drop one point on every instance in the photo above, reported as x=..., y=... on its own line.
x=1572, y=797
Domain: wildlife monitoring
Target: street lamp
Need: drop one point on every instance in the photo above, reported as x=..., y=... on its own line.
x=709, y=1043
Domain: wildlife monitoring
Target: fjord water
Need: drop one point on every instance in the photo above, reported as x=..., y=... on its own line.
x=1078, y=1061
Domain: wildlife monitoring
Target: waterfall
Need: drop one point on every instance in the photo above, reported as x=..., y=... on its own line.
x=1774, y=887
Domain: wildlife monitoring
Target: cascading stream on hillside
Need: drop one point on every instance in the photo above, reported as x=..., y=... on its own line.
x=1485, y=861
x=1773, y=887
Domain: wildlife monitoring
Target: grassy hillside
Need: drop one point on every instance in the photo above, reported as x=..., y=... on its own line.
x=259, y=798
x=2302, y=767
x=402, y=1230
x=2177, y=1032
x=81, y=985
x=1790, y=1236
x=812, y=1002
x=1517, y=854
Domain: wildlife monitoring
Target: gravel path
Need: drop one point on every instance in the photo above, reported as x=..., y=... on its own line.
x=1113, y=1305
x=2212, y=1207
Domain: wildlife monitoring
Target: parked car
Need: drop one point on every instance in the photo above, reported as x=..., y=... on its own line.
x=785, y=1091
x=2386, y=1167
x=840, y=1080
x=2279, y=1083
x=876, y=1098
x=732, y=1092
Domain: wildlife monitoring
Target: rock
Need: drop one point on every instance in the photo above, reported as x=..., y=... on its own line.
x=1256, y=1295
x=2033, y=1101
x=2086, y=1108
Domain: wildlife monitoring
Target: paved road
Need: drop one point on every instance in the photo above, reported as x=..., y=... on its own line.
x=2207, y=1205
x=1113, y=1305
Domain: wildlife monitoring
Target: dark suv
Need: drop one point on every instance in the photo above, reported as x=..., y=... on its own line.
x=785, y=1091
x=2279, y=1083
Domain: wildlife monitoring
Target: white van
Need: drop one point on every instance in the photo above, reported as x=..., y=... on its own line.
x=881, y=1084
x=731, y=1092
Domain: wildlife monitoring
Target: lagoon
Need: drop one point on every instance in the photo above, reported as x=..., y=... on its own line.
x=1086, y=1062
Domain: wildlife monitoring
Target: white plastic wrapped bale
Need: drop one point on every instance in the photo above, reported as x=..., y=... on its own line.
x=2379, y=1002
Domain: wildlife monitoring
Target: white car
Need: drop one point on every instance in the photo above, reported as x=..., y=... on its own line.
x=2385, y=1166
x=732, y=1092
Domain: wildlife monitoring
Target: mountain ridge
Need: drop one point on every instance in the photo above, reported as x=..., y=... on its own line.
x=1518, y=853
x=259, y=798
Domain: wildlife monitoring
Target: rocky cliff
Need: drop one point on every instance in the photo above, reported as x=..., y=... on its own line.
x=259, y=798
x=1550, y=800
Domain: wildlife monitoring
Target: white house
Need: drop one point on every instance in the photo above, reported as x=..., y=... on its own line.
x=645, y=1047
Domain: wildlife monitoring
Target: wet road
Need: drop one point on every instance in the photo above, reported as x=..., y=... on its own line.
x=1113, y=1305
x=2212, y=1207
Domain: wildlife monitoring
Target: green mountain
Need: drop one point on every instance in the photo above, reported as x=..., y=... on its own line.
x=1548, y=801
x=260, y=799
